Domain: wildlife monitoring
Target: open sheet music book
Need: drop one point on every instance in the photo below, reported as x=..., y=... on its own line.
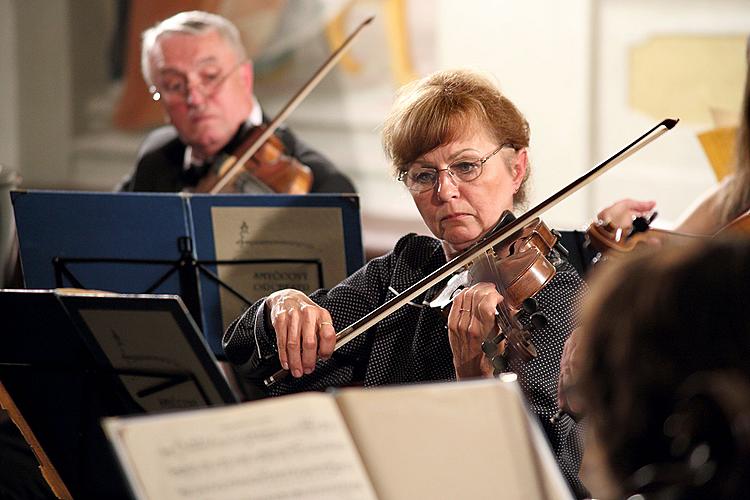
x=451, y=440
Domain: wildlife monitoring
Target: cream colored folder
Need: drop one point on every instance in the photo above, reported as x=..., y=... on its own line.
x=439, y=441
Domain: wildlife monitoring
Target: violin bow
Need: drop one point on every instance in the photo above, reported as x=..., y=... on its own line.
x=487, y=242
x=237, y=165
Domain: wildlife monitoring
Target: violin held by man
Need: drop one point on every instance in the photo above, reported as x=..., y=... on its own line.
x=197, y=69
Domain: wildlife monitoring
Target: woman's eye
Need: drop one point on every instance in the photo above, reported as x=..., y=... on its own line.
x=464, y=167
x=424, y=176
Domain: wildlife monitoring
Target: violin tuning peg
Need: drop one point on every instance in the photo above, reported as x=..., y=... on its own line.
x=640, y=224
x=558, y=244
x=489, y=348
x=530, y=305
x=499, y=364
x=539, y=320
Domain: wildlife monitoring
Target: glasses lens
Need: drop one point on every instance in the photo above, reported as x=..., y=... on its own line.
x=175, y=87
x=466, y=171
x=420, y=179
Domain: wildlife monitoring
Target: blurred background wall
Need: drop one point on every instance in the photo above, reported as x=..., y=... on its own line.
x=590, y=75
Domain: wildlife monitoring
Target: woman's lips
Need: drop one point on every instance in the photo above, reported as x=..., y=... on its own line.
x=454, y=217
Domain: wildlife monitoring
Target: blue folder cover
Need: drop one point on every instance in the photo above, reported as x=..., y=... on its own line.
x=96, y=237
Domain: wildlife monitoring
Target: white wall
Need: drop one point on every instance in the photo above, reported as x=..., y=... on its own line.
x=540, y=53
x=674, y=170
x=9, y=154
x=44, y=92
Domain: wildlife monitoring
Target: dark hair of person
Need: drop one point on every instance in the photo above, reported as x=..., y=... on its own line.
x=657, y=327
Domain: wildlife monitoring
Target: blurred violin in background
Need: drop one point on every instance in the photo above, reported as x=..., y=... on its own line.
x=607, y=239
x=269, y=170
x=260, y=163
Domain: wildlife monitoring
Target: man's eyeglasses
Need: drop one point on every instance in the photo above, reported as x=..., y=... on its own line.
x=175, y=87
x=419, y=178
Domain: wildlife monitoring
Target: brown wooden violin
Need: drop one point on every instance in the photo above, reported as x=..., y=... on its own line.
x=269, y=170
x=261, y=159
x=499, y=237
x=519, y=267
x=609, y=240
x=740, y=225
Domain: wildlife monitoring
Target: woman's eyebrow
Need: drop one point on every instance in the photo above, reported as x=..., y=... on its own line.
x=452, y=157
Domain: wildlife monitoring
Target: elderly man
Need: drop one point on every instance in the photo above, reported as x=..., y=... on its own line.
x=195, y=65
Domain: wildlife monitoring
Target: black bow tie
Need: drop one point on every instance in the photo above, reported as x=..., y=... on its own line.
x=192, y=175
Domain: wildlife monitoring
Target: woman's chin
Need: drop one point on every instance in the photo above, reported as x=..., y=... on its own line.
x=459, y=244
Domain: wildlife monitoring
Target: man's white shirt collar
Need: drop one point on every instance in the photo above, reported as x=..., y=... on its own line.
x=255, y=119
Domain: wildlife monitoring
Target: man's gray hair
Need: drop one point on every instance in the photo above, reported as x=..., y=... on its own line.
x=194, y=22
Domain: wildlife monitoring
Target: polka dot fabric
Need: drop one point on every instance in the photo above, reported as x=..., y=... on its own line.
x=411, y=345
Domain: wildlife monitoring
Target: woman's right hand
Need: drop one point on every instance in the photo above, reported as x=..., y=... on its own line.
x=304, y=330
x=621, y=213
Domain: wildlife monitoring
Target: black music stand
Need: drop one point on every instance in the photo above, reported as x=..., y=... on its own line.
x=69, y=359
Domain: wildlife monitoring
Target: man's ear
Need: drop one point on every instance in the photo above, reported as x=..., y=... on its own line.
x=247, y=76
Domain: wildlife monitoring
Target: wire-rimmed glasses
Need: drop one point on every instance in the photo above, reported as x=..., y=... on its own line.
x=420, y=178
x=174, y=86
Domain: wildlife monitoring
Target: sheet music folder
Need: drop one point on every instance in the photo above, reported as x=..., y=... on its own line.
x=69, y=359
x=218, y=252
x=456, y=440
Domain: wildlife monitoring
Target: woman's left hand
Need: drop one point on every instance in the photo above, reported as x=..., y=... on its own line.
x=471, y=321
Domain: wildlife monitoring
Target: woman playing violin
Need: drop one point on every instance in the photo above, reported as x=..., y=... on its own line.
x=459, y=147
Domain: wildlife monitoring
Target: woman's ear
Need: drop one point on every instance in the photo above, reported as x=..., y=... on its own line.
x=519, y=168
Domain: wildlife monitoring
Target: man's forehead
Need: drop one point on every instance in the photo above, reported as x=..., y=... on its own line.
x=187, y=50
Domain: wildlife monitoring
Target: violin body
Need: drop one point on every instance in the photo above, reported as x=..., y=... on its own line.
x=261, y=159
x=606, y=239
x=519, y=268
x=740, y=225
x=270, y=169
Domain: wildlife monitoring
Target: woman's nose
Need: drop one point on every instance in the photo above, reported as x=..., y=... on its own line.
x=447, y=185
